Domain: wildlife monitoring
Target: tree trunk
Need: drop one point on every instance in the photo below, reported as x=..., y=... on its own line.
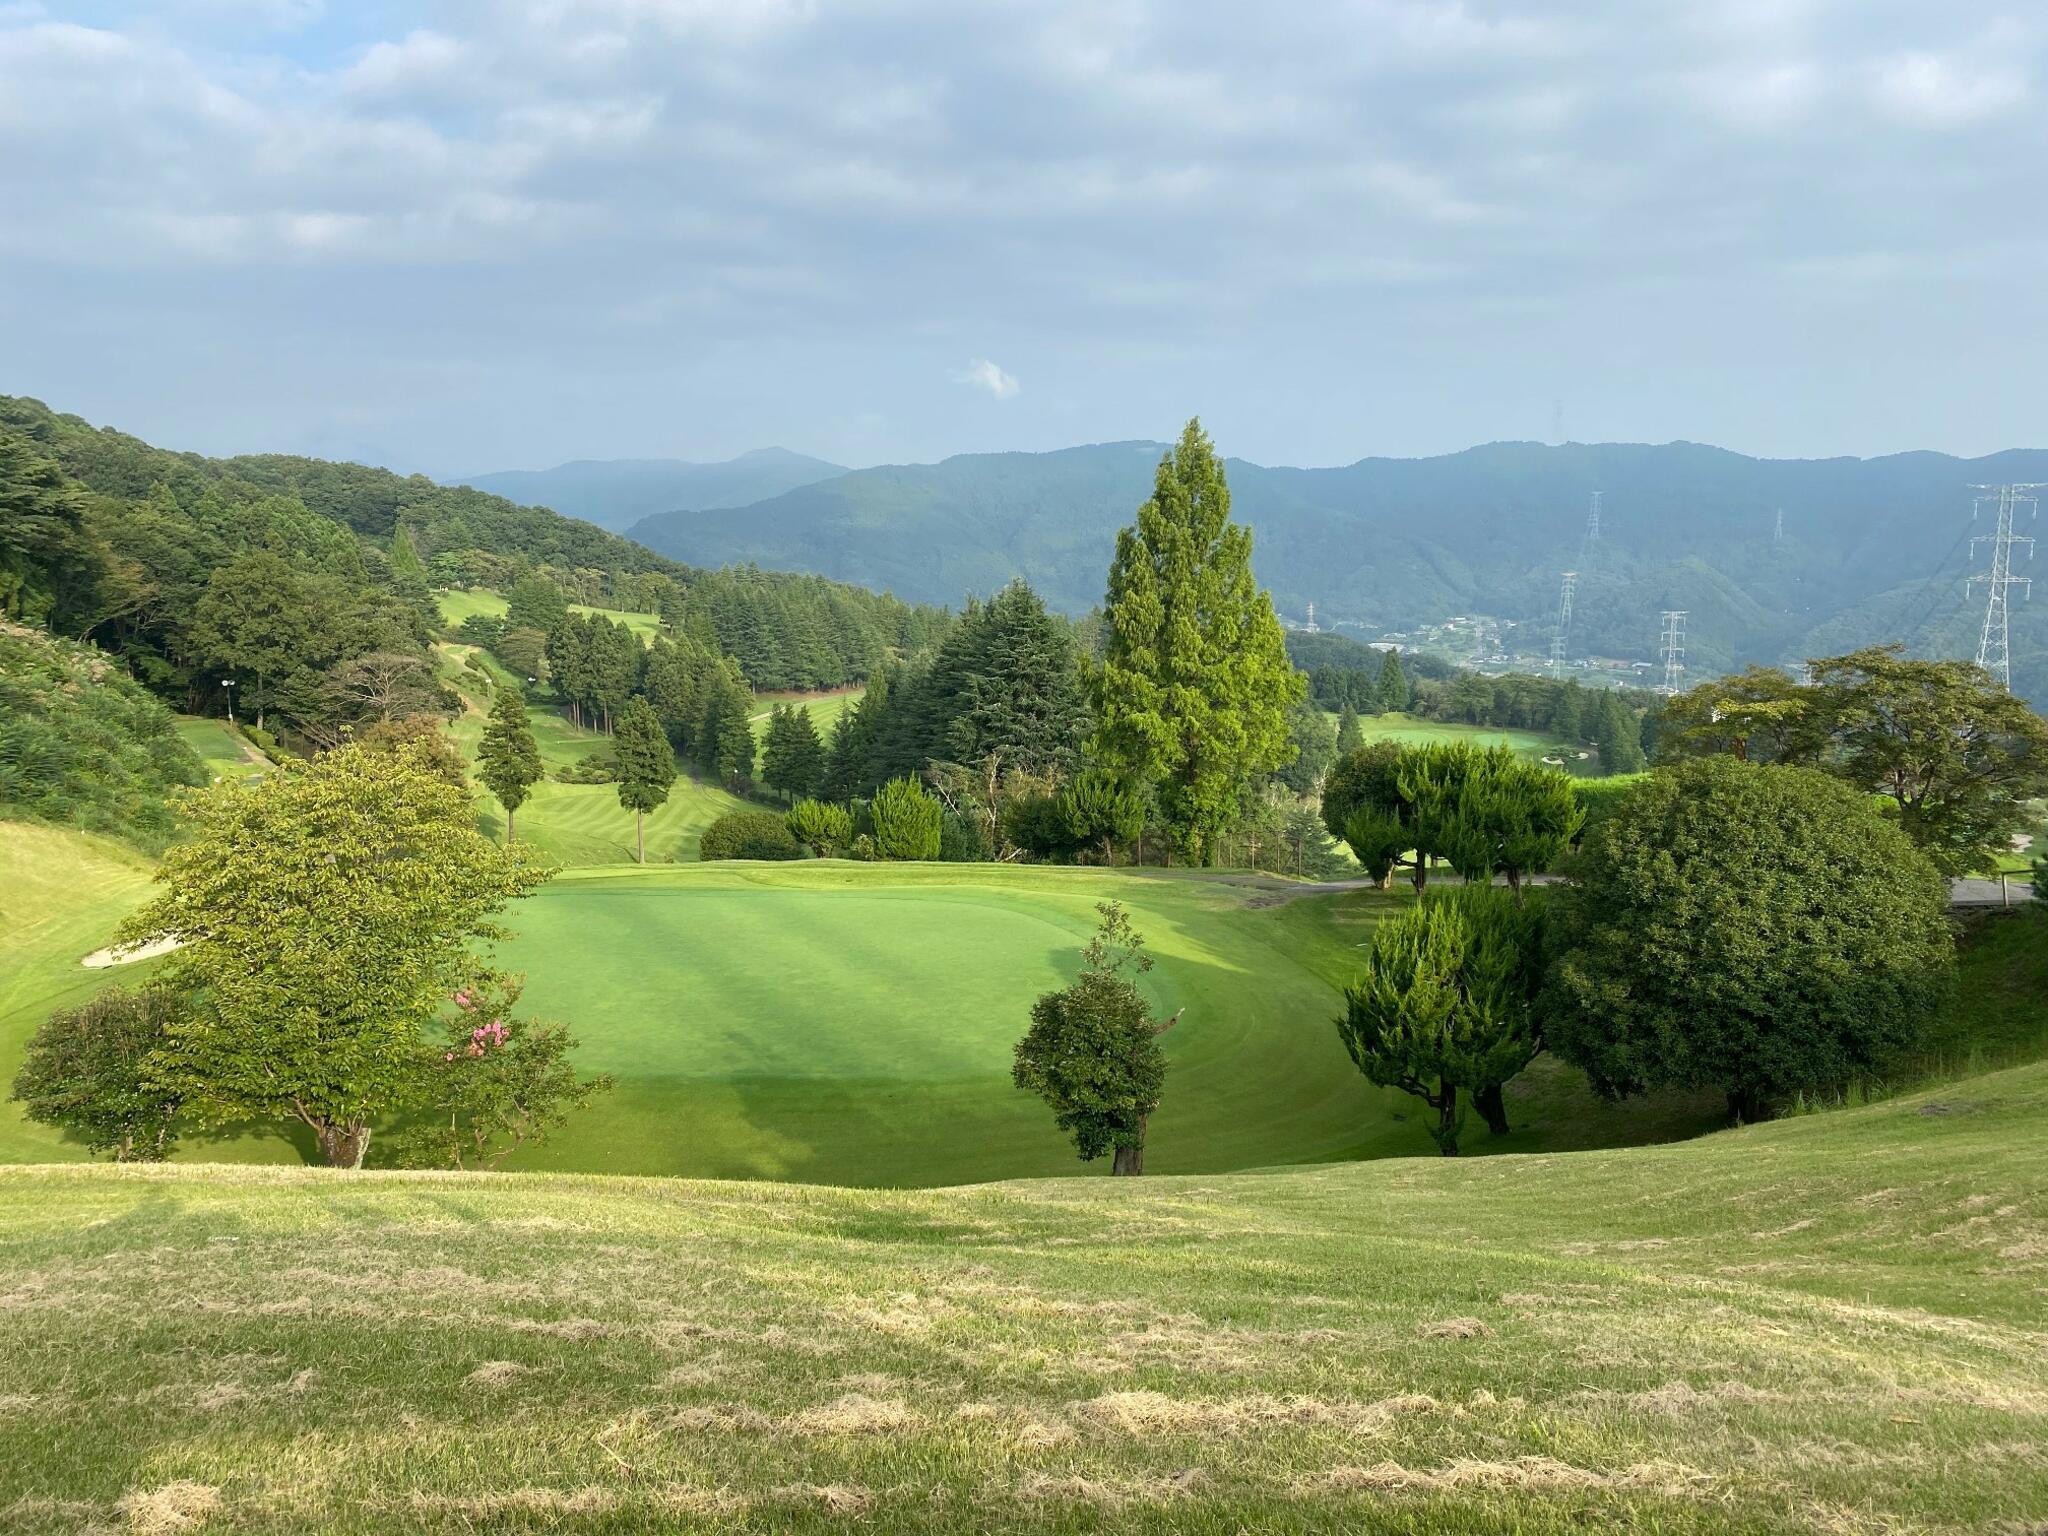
x=342, y=1146
x=1447, y=1119
x=1746, y=1106
x=640, y=834
x=511, y=833
x=1494, y=1107
x=1131, y=1160
x=1421, y=875
x=1514, y=883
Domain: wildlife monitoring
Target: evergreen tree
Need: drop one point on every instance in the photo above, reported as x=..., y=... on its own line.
x=1350, y=736
x=907, y=820
x=535, y=603
x=1019, y=696
x=1195, y=683
x=726, y=742
x=792, y=757
x=1395, y=695
x=508, y=761
x=647, y=766
x=1618, y=735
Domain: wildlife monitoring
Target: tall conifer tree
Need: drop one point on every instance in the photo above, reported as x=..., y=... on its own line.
x=507, y=758
x=1195, y=682
x=647, y=766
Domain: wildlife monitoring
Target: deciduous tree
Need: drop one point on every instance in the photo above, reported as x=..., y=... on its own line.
x=95, y=1070
x=1760, y=930
x=325, y=912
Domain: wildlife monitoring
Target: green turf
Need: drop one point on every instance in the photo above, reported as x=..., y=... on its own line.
x=576, y=824
x=225, y=754
x=1414, y=731
x=457, y=605
x=1831, y=1325
x=61, y=893
x=825, y=708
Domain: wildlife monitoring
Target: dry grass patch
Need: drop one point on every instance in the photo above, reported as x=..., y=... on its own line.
x=179, y=1506
x=1110, y=1492
x=495, y=1373
x=1454, y=1328
x=1154, y=1413
x=854, y=1414
x=520, y=1501
x=1525, y=1474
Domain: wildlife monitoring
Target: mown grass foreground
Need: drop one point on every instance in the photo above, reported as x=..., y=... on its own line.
x=1833, y=1324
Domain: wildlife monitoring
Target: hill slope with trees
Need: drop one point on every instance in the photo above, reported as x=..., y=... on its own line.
x=616, y=493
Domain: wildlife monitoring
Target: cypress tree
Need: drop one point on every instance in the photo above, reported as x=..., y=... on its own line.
x=647, y=766
x=1349, y=735
x=1394, y=693
x=1195, y=683
x=508, y=761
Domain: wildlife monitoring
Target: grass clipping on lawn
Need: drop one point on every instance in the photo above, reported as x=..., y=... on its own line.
x=1833, y=1324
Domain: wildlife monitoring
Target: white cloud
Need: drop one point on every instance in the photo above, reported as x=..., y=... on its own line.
x=983, y=374
x=1938, y=91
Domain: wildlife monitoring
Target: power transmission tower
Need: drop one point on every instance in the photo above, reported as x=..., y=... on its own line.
x=1994, y=645
x=1310, y=627
x=1672, y=645
x=1778, y=533
x=1561, y=637
x=1593, y=524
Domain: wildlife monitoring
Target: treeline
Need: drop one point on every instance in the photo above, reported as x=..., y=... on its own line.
x=279, y=571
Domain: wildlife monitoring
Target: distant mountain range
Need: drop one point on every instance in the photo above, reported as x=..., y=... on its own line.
x=616, y=493
x=1872, y=549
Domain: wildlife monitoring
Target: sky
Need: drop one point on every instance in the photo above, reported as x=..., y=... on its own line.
x=455, y=236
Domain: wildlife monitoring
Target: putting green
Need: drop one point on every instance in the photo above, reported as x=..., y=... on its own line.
x=855, y=1024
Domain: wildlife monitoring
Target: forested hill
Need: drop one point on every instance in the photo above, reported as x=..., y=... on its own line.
x=1873, y=549
x=616, y=493
x=309, y=581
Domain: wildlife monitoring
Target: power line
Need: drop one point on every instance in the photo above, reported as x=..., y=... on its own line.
x=1671, y=645
x=1560, y=638
x=1994, y=645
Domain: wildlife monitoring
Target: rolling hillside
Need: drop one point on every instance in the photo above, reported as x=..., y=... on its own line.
x=1873, y=549
x=1830, y=1325
x=616, y=493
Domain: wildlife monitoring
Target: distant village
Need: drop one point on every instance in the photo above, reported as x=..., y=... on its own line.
x=1485, y=644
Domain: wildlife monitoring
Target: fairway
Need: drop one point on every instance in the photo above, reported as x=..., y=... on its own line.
x=1830, y=1325
x=1414, y=731
x=224, y=754
x=457, y=604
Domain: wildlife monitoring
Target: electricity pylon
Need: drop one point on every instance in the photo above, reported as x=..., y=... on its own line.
x=1672, y=645
x=1560, y=639
x=1994, y=644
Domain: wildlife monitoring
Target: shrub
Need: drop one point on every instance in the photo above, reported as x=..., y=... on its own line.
x=827, y=830
x=1038, y=825
x=92, y=1070
x=748, y=835
x=962, y=841
x=907, y=820
x=1761, y=930
x=591, y=768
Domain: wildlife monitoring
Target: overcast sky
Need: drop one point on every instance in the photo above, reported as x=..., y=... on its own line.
x=465, y=235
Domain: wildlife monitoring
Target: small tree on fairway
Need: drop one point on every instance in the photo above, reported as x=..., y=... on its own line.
x=327, y=912
x=1761, y=930
x=1446, y=1003
x=647, y=766
x=907, y=820
x=507, y=759
x=94, y=1070
x=1092, y=1051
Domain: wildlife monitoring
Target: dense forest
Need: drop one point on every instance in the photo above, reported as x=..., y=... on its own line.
x=305, y=586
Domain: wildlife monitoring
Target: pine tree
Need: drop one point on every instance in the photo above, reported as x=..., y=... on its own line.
x=507, y=758
x=726, y=743
x=1021, y=699
x=647, y=766
x=1349, y=735
x=1617, y=735
x=792, y=757
x=1394, y=693
x=1195, y=683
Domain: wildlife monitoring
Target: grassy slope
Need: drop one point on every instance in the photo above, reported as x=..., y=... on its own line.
x=1830, y=1325
x=225, y=754
x=61, y=893
x=458, y=605
x=577, y=824
x=825, y=708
